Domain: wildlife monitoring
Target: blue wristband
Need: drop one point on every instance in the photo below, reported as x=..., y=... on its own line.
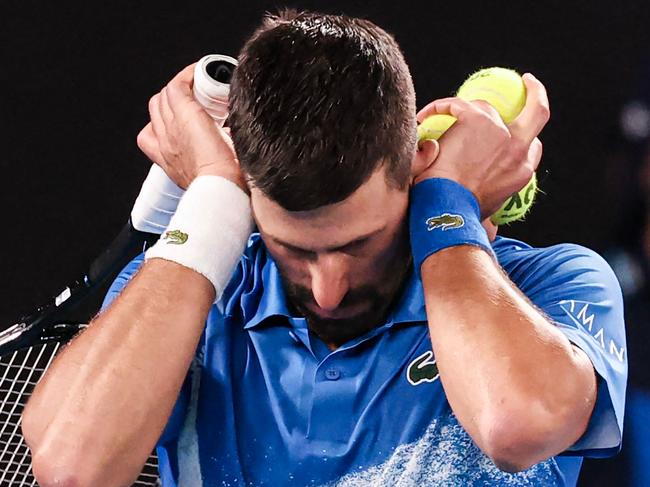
x=443, y=214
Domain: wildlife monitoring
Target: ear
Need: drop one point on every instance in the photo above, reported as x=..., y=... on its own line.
x=424, y=157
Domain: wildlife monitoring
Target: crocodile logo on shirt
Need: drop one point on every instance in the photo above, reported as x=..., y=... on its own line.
x=445, y=221
x=175, y=237
x=422, y=369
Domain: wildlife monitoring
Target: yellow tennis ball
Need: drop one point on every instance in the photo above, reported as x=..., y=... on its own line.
x=501, y=87
x=433, y=127
x=517, y=206
x=505, y=90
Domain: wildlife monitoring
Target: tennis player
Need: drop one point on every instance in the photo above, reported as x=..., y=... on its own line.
x=373, y=330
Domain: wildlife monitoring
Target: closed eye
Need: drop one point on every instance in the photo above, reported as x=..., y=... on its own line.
x=354, y=246
x=350, y=247
x=298, y=252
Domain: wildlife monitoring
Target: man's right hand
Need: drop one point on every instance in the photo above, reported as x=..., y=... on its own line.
x=182, y=138
x=97, y=413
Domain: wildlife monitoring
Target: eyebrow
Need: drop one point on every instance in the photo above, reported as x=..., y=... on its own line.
x=334, y=248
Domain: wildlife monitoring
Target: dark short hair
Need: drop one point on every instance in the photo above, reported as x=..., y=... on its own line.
x=317, y=104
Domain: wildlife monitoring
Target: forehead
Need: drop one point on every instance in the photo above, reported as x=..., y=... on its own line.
x=373, y=206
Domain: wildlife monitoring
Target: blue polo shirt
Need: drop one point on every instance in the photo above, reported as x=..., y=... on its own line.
x=266, y=403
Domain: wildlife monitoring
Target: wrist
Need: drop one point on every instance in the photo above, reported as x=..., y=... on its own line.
x=233, y=175
x=443, y=214
x=209, y=231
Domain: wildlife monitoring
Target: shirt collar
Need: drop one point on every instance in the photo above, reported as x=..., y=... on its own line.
x=409, y=306
x=272, y=301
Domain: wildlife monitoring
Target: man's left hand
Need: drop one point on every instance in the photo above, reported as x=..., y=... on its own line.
x=480, y=152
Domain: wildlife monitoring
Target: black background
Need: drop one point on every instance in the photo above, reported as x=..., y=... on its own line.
x=75, y=78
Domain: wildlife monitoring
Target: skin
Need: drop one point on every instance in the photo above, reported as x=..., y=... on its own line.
x=342, y=264
x=517, y=412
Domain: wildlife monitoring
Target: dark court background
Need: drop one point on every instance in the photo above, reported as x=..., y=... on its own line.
x=75, y=78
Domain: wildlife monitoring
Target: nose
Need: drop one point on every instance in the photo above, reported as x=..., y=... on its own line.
x=329, y=282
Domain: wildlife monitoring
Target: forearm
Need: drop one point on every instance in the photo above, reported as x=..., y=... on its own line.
x=106, y=398
x=511, y=377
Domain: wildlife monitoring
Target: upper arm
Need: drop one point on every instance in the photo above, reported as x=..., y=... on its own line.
x=578, y=291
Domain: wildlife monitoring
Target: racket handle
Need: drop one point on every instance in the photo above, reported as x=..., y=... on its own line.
x=159, y=195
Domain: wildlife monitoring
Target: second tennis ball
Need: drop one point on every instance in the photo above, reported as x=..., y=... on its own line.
x=433, y=127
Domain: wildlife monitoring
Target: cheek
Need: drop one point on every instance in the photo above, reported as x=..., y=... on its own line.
x=381, y=264
x=395, y=256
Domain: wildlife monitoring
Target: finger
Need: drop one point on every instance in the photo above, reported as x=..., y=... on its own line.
x=180, y=88
x=534, y=115
x=166, y=112
x=227, y=137
x=489, y=110
x=456, y=107
x=148, y=143
x=429, y=109
x=157, y=124
x=535, y=154
x=185, y=76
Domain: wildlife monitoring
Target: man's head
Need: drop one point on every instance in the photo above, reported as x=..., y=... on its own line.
x=322, y=113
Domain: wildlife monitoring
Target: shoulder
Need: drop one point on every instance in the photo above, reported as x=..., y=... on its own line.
x=513, y=254
x=557, y=267
x=246, y=280
x=250, y=265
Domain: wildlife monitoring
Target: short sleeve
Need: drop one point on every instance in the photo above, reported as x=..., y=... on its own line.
x=175, y=422
x=579, y=292
x=121, y=280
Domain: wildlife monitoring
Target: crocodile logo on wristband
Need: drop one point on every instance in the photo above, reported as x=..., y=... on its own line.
x=445, y=221
x=175, y=237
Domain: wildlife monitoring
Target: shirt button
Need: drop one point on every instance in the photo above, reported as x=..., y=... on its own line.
x=332, y=374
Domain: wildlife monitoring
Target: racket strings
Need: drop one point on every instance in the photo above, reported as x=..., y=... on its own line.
x=19, y=373
x=18, y=381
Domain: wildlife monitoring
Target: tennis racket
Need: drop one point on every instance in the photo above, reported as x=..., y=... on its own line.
x=28, y=347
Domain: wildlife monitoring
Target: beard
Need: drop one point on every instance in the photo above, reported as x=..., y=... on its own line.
x=374, y=301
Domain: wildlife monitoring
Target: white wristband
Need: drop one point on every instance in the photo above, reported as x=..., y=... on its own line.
x=209, y=231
